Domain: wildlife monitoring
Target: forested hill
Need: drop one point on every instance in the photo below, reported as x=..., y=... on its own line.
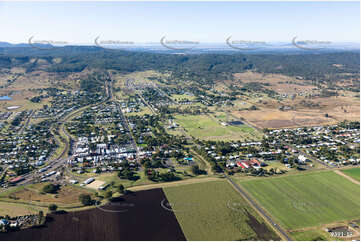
x=312, y=66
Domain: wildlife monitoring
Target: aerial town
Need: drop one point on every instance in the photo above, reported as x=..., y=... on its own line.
x=167, y=143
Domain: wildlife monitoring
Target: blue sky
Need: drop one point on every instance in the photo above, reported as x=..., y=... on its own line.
x=81, y=22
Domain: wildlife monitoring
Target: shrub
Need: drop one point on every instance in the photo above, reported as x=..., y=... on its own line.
x=50, y=188
x=85, y=199
x=53, y=207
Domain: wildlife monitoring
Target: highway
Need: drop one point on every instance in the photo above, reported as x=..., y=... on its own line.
x=258, y=208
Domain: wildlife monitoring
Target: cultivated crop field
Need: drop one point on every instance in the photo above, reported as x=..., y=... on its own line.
x=353, y=172
x=307, y=200
x=136, y=216
x=215, y=211
x=208, y=128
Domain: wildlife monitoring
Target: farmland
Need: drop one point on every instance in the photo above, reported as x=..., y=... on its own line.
x=304, y=102
x=214, y=211
x=137, y=216
x=307, y=200
x=353, y=172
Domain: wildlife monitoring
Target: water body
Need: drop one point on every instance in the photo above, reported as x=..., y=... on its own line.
x=235, y=123
x=5, y=98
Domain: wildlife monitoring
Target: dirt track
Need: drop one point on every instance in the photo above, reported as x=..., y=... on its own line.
x=347, y=177
x=176, y=183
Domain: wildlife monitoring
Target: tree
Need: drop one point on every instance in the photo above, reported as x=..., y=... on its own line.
x=195, y=169
x=108, y=194
x=85, y=199
x=50, y=188
x=53, y=207
x=41, y=217
x=127, y=174
x=121, y=188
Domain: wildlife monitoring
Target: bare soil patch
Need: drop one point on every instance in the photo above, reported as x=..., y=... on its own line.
x=137, y=216
x=95, y=184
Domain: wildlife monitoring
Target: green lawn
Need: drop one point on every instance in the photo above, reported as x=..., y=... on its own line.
x=205, y=127
x=113, y=178
x=13, y=209
x=307, y=200
x=215, y=211
x=180, y=97
x=311, y=235
x=353, y=172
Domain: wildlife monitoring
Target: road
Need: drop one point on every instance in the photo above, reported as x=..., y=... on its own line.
x=258, y=208
x=27, y=121
x=126, y=126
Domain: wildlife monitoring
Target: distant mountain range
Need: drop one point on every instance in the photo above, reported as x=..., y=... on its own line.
x=8, y=45
x=209, y=47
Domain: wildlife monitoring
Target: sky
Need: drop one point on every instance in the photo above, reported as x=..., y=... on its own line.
x=82, y=22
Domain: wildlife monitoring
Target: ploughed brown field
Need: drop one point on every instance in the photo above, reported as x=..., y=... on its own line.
x=138, y=216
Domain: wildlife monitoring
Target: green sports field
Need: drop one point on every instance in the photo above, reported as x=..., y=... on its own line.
x=353, y=172
x=215, y=211
x=206, y=127
x=307, y=200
